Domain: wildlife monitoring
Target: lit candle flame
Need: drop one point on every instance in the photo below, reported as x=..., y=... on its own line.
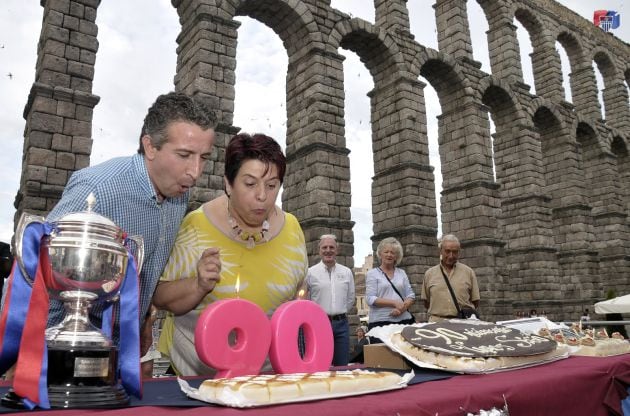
x=238, y=283
x=301, y=294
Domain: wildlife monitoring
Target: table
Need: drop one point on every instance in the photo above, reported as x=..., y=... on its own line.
x=588, y=386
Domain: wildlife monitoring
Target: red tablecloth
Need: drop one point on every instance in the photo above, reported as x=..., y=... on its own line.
x=576, y=386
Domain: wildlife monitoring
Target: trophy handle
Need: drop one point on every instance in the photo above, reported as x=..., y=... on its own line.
x=25, y=220
x=139, y=241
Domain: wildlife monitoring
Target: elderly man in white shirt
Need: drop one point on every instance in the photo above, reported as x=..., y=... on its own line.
x=331, y=285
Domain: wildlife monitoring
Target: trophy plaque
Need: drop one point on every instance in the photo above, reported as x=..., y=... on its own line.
x=88, y=260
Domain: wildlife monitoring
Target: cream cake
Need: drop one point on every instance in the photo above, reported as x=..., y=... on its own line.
x=587, y=341
x=270, y=389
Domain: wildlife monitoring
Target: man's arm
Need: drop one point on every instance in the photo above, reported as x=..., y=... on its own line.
x=424, y=293
x=350, y=298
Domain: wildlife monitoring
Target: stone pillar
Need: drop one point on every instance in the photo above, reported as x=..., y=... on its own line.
x=392, y=15
x=547, y=67
x=584, y=91
x=572, y=216
x=403, y=190
x=615, y=97
x=57, y=139
x=610, y=221
x=206, y=61
x=453, y=30
x=531, y=257
x=503, y=48
x=317, y=184
x=470, y=200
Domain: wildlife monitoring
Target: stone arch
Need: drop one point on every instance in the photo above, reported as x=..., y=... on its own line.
x=504, y=50
x=582, y=77
x=375, y=48
x=496, y=93
x=615, y=93
x=589, y=127
x=545, y=60
x=290, y=19
x=573, y=47
x=605, y=63
x=446, y=76
x=551, y=111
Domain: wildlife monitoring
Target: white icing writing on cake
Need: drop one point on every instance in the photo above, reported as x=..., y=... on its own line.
x=500, y=340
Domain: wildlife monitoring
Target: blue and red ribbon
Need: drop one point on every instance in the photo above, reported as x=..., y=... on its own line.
x=31, y=381
x=129, y=337
x=25, y=315
x=17, y=308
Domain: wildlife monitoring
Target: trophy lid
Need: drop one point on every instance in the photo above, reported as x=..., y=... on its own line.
x=89, y=221
x=89, y=215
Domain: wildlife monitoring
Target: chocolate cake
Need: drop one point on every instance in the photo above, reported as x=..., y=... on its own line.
x=472, y=338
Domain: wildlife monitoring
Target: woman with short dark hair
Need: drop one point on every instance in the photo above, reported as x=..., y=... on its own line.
x=261, y=246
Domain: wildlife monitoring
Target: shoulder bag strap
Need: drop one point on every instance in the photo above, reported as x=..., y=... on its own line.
x=450, y=289
x=390, y=282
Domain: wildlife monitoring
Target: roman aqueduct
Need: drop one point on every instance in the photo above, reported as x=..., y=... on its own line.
x=541, y=209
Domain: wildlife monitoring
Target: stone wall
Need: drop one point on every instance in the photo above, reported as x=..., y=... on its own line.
x=541, y=207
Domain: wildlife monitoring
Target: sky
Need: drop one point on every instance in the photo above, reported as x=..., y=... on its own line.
x=136, y=62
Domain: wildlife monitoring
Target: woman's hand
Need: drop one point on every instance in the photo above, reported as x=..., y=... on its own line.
x=398, y=309
x=208, y=270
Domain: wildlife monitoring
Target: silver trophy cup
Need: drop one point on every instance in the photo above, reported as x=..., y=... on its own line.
x=89, y=260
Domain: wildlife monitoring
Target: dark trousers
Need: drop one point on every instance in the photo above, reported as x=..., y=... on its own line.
x=341, y=339
x=341, y=336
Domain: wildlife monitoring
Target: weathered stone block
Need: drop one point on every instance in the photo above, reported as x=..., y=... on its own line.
x=73, y=127
x=65, y=160
x=61, y=142
x=82, y=145
x=57, y=177
x=40, y=157
x=45, y=122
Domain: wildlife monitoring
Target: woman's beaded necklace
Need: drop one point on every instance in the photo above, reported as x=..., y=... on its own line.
x=248, y=237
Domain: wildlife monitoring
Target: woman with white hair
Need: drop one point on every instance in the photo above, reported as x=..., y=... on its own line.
x=387, y=288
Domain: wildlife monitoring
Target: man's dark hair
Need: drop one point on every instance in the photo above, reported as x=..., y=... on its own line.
x=172, y=107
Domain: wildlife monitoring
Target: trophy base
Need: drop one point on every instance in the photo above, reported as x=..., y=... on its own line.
x=87, y=397
x=75, y=397
x=84, y=377
x=79, y=378
x=12, y=400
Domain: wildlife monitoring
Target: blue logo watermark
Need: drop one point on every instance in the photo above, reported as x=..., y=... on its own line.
x=606, y=19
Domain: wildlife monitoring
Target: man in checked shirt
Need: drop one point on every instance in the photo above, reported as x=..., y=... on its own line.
x=147, y=194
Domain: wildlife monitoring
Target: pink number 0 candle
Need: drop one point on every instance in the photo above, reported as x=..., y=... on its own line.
x=253, y=336
x=318, y=336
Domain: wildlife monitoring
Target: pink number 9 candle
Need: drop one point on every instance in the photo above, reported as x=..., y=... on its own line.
x=253, y=336
x=318, y=337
